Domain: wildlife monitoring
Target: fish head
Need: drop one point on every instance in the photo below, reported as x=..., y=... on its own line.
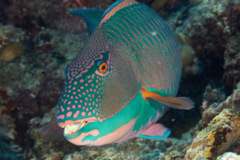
x=99, y=83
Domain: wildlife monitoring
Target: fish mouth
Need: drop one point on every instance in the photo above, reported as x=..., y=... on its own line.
x=74, y=128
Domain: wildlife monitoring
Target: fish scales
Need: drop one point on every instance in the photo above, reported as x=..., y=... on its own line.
x=151, y=54
x=123, y=79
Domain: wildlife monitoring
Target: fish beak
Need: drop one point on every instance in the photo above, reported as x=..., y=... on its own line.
x=71, y=129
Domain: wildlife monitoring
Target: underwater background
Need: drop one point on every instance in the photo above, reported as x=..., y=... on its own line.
x=38, y=39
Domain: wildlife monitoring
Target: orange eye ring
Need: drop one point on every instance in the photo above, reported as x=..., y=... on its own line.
x=103, y=67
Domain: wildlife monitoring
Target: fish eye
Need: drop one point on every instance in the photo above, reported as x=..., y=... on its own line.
x=103, y=67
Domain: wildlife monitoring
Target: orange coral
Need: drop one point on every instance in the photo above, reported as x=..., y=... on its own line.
x=158, y=4
x=11, y=51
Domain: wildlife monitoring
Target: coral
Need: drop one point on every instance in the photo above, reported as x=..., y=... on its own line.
x=158, y=4
x=10, y=34
x=7, y=125
x=232, y=62
x=52, y=148
x=11, y=51
x=221, y=133
x=211, y=28
x=74, y=156
x=190, y=62
x=228, y=156
x=136, y=149
x=212, y=105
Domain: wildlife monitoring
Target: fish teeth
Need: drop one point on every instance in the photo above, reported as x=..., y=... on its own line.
x=70, y=129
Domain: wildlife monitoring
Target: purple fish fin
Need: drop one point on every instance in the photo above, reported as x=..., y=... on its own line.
x=156, y=131
x=52, y=131
x=184, y=103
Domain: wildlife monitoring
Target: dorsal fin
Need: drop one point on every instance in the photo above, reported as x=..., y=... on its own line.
x=91, y=16
x=114, y=8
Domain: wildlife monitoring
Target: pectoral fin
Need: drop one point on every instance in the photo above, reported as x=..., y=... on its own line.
x=156, y=131
x=52, y=131
x=184, y=103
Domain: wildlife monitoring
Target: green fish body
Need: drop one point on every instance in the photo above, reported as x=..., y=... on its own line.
x=123, y=80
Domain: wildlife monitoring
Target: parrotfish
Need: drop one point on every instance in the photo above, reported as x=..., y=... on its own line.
x=124, y=78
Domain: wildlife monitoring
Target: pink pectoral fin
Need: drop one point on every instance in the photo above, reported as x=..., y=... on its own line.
x=156, y=131
x=173, y=102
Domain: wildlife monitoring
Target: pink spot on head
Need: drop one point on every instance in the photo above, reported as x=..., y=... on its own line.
x=68, y=108
x=96, y=100
x=65, y=101
x=86, y=109
x=89, y=113
x=81, y=87
x=89, y=95
x=97, y=92
x=73, y=106
x=67, y=95
x=83, y=113
x=99, y=84
x=85, y=103
x=94, y=90
x=69, y=91
x=76, y=114
x=69, y=86
x=96, y=81
x=79, y=95
x=69, y=102
x=90, y=99
x=96, y=86
x=91, y=108
x=83, y=107
x=89, y=81
x=76, y=97
x=89, y=104
x=93, y=102
x=74, y=92
x=86, y=84
x=92, y=95
x=78, y=90
x=92, y=85
x=79, y=106
x=81, y=101
x=75, y=101
x=93, y=76
x=69, y=114
x=90, y=89
x=93, y=111
x=75, y=83
x=87, y=90
x=86, y=98
x=58, y=111
x=81, y=80
x=62, y=109
x=83, y=93
x=74, y=88
x=71, y=97
x=96, y=105
x=60, y=117
x=97, y=114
